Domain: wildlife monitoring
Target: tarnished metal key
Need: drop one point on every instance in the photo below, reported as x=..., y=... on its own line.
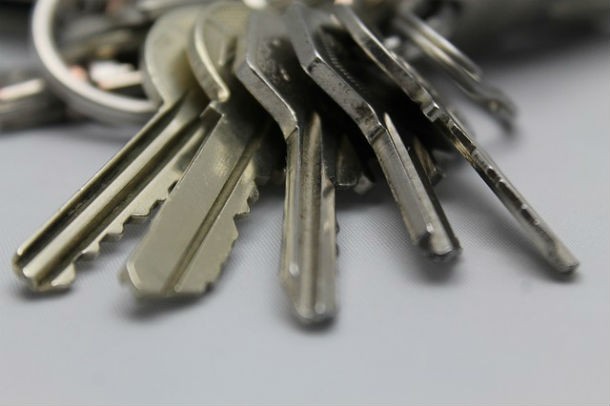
x=418, y=90
x=135, y=179
x=193, y=233
x=269, y=70
x=422, y=214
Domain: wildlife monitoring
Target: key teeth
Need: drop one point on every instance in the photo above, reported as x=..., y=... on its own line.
x=253, y=196
x=61, y=281
x=141, y=213
x=113, y=233
x=91, y=252
x=130, y=275
x=233, y=236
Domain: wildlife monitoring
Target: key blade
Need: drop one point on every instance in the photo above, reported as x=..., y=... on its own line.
x=128, y=186
x=308, y=264
x=439, y=241
x=194, y=231
x=316, y=51
x=419, y=91
x=552, y=249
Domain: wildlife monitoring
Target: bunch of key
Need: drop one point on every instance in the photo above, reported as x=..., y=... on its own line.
x=319, y=94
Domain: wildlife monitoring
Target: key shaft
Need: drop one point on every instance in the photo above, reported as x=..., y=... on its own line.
x=138, y=177
x=420, y=92
x=270, y=71
x=318, y=58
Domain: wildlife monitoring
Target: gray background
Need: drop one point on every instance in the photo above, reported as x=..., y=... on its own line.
x=493, y=329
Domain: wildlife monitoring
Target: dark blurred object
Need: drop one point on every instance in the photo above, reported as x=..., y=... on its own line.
x=483, y=25
x=14, y=17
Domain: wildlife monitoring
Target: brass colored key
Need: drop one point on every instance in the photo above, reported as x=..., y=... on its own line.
x=194, y=232
x=139, y=176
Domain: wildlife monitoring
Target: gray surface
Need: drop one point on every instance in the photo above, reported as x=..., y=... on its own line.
x=494, y=329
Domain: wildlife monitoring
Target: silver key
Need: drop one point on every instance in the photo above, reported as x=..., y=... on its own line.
x=269, y=70
x=423, y=217
x=407, y=78
x=135, y=179
x=193, y=233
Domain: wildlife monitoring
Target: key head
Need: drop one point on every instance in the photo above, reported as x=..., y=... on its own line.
x=402, y=73
x=269, y=69
x=321, y=56
x=212, y=47
x=167, y=75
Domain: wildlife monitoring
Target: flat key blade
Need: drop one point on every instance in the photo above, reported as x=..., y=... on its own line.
x=308, y=263
x=194, y=231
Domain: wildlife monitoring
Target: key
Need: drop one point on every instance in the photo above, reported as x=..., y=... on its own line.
x=193, y=233
x=269, y=70
x=135, y=179
x=417, y=89
x=464, y=72
x=424, y=219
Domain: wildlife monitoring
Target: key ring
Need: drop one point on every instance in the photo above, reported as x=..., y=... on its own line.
x=79, y=95
x=465, y=72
